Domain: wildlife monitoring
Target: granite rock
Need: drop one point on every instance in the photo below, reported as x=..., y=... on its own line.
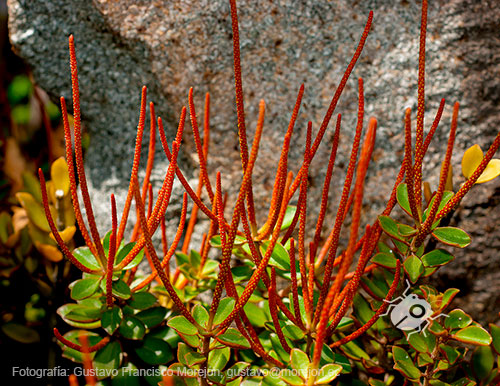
x=173, y=45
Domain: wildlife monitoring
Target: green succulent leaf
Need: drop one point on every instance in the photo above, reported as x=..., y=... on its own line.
x=182, y=325
x=390, y=227
x=200, y=314
x=154, y=351
x=483, y=362
x=328, y=373
x=289, y=215
x=142, y=300
x=84, y=288
x=402, y=197
x=299, y=360
x=451, y=354
x=495, y=333
x=413, y=267
x=152, y=316
x=404, y=364
x=452, y=236
x=437, y=257
x=473, y=335
x=20, y=333
x=226, y=306
x=279, y=257
x=111, y=319
x=132, y=328
x=218, y=358
x=86, y=258
x=457, y=319
x=233, y=338
x=385, y=259
x=107, y=359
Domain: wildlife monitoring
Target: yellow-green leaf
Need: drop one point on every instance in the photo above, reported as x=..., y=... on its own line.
x=471, y=159
x=59, y=175
x=35, y=210
x=492, y=171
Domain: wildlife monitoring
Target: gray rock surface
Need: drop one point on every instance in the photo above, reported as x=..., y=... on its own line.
x=173, y=45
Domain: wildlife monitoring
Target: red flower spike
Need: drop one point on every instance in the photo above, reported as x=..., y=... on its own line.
x=421, y=100
x=281, y=172
x=151, y=150
x=181, y=177
x=364, y=161
x=295, y=292
x=111, y=253
x=240, y=109
x=302, y=208
x=419, y=156
x=257, y=274
x=409, y=169
x=79, y=156
x=274, y=312
x=72, y=180
x=336, y=97
x=55, y=232
x=103, y=342
x=339, y=219
x=426, y=227
x=154, y=257
x=159, y=209
x=326, y=185
x=73, y=380
x=192, y=219
x=90, y=378
x=379, y=311
x=199, y=148
x=135, y=164
x=167, y=252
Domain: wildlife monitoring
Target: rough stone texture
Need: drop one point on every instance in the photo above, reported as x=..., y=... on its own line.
x=172, y=45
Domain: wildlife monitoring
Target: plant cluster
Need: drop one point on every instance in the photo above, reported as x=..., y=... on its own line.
x=260, y=296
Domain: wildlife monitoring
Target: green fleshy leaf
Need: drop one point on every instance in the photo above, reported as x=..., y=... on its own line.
x=217, y=359
x=155, y=351
x=200, y=314
x=289, y=215
x=233, y=338
x=473, y=335
x=328, y=373
x=482, y=362
x=74, y=336
x=120, y=289
x=451, y=354
x=152, y=316
x=279, y=257
x=495, y=334
x=126, y=376
x=132, y=328
x=107, y=359
x=86, y=258
x=417, y=342
x=111, y=319
x=402, y=197
x=384, y=259
x=84, y=288
x=406, y=230
x=20, y=333
x=124, y=251
x=299, y=360
x=182, y=325
x=236, y=370
x=452, y=236
x=457, y=319
x=437, y=257
x=226, y=306
x=142, y=300
x=390, y=227
x=291, y=379
x=413, y=267
x=404, y=364
x=362, y=309
x=447, y=195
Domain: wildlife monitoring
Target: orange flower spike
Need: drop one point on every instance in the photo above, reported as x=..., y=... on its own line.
x=295, y=292
x=159, y=208
x=181, y=177
x=53, y=228
x=192, y=219
x=257, y=274
x=274, y=312
x=421, y=103
x=79, y=156
x=336, y=97
x=240, y=109
x=428, y=138
x=135, y=165
x=73, y=380
x=379, y=311
x=154, y=257
x=199, y=147
x=364, y=161
x=455, y=200
x=72, y=179
x=326, y=185
x=426, y=227
x=151, y=150
x=90, y=378
x=281, y=172
x=167, y=252
x=339, y=219
x=111, y=253
x=103, y=342
x=302, y=208
x=409, y=168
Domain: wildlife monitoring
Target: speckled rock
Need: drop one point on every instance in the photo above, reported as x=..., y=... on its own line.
x=173, y=45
